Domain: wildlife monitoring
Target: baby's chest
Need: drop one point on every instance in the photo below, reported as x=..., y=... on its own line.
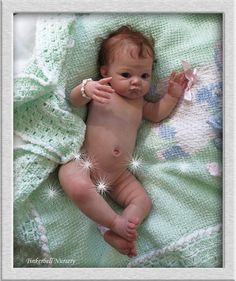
x=127, y=111
x=121, y=111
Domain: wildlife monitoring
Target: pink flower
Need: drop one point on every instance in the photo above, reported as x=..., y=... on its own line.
x=214, y=169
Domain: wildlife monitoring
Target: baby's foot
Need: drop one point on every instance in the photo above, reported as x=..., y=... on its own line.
x=120, y=244
x=126, y=228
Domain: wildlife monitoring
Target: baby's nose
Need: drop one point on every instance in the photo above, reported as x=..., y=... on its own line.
x=136, y=80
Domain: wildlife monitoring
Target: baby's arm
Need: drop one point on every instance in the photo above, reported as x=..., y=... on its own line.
x=158, y=111
x=97, y=90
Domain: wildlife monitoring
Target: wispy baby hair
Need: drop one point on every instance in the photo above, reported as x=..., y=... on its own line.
x=120, y=37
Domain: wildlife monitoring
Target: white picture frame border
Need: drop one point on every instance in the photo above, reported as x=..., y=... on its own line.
x=8, y=8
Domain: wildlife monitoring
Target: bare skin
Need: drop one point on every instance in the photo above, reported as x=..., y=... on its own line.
x=116, y=109
x=120, y=244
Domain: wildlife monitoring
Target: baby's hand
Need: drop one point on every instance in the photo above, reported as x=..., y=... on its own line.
x=99, y=91
x=177, y=84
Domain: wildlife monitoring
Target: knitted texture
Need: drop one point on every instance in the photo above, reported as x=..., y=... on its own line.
x=180, y=158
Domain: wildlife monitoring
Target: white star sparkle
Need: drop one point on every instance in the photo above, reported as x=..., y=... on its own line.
x=51, y=194
x=78, y=157
x=87, y=164
x=102, y=186
x=135, y=164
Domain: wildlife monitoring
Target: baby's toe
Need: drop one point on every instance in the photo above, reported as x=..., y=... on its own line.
x=132, y=250
x=134, y=221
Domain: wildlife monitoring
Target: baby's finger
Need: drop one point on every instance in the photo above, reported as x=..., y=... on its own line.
x=185, y=81
x=105, y=81
x=172, y=76
x=182, y=78
x=185, y=84
x=103, y=94
x=100, y=99
x=179, y=78
x=106, y=88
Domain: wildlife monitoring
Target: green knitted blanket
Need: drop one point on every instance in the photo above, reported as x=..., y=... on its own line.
x=180, y=157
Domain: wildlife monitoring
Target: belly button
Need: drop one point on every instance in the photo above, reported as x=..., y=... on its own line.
x=116, y=151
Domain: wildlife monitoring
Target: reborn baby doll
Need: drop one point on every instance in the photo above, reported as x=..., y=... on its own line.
x=116, y=107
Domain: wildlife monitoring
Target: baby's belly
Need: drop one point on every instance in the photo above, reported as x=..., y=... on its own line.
x=110, y=156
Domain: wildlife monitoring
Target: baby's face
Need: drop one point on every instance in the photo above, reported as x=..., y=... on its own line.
x=131, y=75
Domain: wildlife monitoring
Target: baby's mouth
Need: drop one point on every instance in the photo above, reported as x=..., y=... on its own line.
x=135, y=92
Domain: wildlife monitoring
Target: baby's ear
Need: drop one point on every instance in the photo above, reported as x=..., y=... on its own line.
x=104, y=71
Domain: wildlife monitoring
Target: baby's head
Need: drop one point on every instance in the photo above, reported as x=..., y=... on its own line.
x=119, y=39
x=127, y=56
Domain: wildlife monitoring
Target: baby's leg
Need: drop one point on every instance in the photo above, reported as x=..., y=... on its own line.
x=77, y=183
x=130, y=194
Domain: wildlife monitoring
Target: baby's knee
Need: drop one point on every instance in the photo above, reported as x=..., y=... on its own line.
x=80, y=191
x=76, y=187
x=144, y=202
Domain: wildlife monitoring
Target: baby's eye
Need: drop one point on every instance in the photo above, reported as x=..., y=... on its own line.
x=125, y=74
x=145, y=76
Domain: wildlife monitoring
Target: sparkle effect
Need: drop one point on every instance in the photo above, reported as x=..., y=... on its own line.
x=87, y=164
x=102, y=186
x=135, y=164
x=51, y=194
x=77, y=157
